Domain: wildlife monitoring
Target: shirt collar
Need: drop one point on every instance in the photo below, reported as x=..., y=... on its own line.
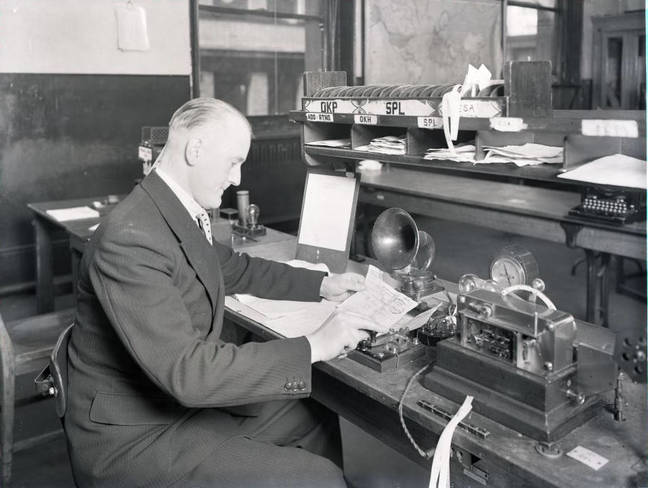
x=187, y=200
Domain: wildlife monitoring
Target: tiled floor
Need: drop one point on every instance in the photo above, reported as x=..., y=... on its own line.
x=460, y=249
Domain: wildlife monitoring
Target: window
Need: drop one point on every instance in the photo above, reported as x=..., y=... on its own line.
x=533, y=31
x=252, y=53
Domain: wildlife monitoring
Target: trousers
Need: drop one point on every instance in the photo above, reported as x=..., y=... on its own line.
x=288, y=444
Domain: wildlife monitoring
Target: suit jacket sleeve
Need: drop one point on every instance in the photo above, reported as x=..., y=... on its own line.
x=267, y=279
x=133, y=278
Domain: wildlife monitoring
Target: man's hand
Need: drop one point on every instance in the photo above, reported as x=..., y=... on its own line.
x=339, y=287
x=341, y=332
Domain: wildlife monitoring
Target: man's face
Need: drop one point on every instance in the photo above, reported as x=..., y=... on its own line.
x=222, y=152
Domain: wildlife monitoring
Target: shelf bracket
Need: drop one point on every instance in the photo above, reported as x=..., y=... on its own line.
x=571, y=232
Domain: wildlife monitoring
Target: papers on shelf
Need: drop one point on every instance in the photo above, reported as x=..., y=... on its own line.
x=614, y=170
x=463, y=154
x=385, y=145
x=340, y=143
x=524, y=155
x=379, y=301
x=529, y=154
x=92, y=228
x=73, y=213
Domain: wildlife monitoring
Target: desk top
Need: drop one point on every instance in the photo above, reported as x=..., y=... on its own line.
x=625, y=444
x=506, y=197
x=77, y=227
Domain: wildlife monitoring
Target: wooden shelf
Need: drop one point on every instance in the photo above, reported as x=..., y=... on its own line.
x=545, y=173
x=563, y=121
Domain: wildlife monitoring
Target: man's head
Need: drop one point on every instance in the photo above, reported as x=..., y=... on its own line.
x=208, y=142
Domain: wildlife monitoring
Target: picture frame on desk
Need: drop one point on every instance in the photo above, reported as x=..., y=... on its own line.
x=328, y=218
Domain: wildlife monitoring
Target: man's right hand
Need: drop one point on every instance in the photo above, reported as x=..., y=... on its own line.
x=341, y=332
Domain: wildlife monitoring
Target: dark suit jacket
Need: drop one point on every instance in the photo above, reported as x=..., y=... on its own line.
x=150, y=382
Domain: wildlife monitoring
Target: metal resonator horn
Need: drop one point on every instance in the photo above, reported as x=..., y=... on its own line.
x=405, y=251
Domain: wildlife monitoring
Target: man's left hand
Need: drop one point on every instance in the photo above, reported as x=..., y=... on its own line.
x=339, y=287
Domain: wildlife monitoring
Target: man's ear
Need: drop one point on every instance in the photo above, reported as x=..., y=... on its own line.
x=192, y=151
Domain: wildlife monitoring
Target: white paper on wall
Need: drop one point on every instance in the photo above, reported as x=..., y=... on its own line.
x=132, y=32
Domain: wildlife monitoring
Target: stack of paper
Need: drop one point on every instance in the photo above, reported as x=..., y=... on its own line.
x=529, y=154
x=339, y=143
x=73, y=213
x=291, y=318
x=462, y=154
x=614, y=170
x=385, y=145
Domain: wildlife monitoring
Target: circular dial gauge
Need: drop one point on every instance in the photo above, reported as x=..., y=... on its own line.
x=514, y=266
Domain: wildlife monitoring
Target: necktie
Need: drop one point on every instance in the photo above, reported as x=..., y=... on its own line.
x=203, y=223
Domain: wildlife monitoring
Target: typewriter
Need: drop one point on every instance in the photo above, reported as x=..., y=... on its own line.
x=611, y=206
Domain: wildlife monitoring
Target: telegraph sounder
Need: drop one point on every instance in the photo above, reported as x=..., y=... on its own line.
x=406, y=252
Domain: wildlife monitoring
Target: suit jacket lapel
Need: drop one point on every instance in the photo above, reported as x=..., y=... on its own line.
x=192, y=241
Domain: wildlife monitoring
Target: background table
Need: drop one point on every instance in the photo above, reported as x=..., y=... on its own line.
x=44, y=227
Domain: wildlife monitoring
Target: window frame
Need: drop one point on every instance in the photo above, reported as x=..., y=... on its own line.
x=197, y=12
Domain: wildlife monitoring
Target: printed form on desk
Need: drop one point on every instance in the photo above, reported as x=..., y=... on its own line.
x=378, y=300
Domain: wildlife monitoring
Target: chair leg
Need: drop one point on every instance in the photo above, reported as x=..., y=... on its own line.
x=7, y=424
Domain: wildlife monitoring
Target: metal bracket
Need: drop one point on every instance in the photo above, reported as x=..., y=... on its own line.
x=549, y=450
x=571, y=232
x=470, y=428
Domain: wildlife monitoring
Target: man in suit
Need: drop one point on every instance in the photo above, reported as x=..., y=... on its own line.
x=155, y=397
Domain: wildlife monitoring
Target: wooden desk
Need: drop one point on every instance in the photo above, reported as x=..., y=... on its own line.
x=370, y=399
x=524, y=210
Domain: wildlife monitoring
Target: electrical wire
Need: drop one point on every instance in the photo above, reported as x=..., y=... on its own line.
x=425, y=454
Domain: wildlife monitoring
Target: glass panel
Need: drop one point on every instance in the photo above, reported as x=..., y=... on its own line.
x=612, y=75
x=530, y=34
x=521, y=21
x=256, y=62
x=541, y=3
x=279, y=6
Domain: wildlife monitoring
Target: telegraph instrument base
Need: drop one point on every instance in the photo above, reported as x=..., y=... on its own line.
x=389, y=351
x=534, y=406
x=249, y=231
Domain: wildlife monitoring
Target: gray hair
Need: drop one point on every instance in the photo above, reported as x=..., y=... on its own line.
x=204, y=110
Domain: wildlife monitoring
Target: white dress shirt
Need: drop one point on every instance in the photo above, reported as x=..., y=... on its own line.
x=198, y=214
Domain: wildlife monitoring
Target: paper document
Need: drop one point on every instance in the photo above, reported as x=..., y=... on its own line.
x=385, y=145
x=379, y=301
x=462, y=153
x=614, y=170
x=529, y=154
x=341, y=143
x=290, y=318
x=274, y=309
x=73, y=213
